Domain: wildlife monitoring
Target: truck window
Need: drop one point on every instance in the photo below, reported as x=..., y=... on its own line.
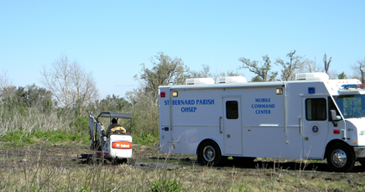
x=232, y=110
x=331, y=106
x=316, y=109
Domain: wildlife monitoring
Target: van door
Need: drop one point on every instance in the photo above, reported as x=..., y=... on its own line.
x=314, y=126
x=231, y=125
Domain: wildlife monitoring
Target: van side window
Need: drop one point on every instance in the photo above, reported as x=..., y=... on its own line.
x=332, y=106
x=232, y=110
x=316, y=109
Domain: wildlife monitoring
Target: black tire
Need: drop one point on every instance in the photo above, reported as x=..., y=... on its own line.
x=340, y=157
x=210, y=154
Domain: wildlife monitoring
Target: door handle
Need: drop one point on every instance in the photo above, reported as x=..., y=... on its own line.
x=300, y=126
x=220, y=124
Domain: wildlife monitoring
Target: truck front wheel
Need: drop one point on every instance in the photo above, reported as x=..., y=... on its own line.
x=340, y=157
x=210, y=154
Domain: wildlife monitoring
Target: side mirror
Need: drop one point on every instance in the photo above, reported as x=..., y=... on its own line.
x=334, y=117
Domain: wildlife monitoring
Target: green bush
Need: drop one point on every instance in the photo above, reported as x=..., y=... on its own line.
x=165, y=185
x=145, y=139
x=18, y=138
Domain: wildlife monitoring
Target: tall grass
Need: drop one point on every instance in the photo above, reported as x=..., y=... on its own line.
x=31, y=120
x=31, y=171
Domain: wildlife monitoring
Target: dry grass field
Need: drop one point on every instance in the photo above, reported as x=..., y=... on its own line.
x=56, y=168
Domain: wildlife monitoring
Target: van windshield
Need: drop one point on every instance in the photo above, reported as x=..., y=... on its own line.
x=351, y=106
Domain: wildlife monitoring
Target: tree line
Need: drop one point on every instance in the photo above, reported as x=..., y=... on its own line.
x=69, y=92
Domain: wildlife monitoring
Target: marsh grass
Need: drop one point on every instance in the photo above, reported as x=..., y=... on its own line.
x=35, y=169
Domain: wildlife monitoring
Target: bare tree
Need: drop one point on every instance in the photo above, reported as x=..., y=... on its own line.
x=311, y=66
x=226, y=74
x=6, y=86
x=326, y=63
x=262, y=72
x=290, y=67
x=332, y=74
x=359, y=70
x=70, y=84
x=204, y=73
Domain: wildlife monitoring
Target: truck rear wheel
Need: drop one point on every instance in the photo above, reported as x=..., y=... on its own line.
x=210, y=154
x=340, y=157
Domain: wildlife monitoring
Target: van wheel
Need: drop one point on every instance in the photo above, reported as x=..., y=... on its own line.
x=210, y=154
x=340, y=157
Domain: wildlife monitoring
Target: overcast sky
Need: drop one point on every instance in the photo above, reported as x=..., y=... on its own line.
x=112, y=38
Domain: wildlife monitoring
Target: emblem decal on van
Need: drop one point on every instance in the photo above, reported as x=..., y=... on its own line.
x=315, y=129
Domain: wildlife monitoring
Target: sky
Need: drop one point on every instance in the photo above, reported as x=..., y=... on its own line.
x=112, y=39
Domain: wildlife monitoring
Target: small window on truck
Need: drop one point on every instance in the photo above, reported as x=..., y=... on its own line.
x=332, y=106
x=316, y=109
x=232, y=110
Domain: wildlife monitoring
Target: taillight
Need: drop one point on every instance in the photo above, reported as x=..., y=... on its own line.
x=122, y=145
x=163, y=94
x=336, y=131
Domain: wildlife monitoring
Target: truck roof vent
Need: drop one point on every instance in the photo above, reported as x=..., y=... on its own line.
x=311, y=76
x=231, y=80
x=199, y=81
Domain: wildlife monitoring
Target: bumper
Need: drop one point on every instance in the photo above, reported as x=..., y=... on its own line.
x=359, y=152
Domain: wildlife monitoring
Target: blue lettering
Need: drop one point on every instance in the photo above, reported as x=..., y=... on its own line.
x=263, y=105
x=205, y=101
x=263, y=112
x=262, y=100
x=188, y=109
x=183, y=102
x=167, y=102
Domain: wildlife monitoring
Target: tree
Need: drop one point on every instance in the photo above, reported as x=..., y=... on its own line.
x=112, y=103
x=33, y=96
x=359, y=70
x=326, y=63
x=165, y=71
x=311, y=66
x=69, y=83
x=342, y=75
x=204, y=73
x=256, y=79
x=291, y=66
x=6, y=87
x=262, y=72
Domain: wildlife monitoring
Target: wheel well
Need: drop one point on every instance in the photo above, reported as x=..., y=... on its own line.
x=332, y=143
x=197, y=149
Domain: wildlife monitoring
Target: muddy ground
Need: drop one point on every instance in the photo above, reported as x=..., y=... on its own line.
x=67, y=156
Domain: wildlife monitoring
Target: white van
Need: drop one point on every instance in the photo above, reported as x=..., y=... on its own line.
x=309, y=118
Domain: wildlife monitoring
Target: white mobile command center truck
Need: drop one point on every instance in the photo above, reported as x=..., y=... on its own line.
x=309, y=118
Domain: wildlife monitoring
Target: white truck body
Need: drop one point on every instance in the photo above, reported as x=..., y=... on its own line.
x=266, y=119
